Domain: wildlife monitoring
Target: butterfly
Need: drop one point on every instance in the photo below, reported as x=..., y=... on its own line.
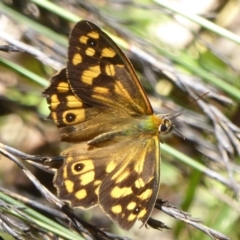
x=114, y=160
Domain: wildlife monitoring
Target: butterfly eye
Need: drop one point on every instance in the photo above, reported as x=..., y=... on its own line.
x=70, y=117
x=78, y=167
x=91, y=42
x=166, y=126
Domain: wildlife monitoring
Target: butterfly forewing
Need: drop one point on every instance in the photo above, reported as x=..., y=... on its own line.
x=128, y=194
x=100, y=74
x=124, y=183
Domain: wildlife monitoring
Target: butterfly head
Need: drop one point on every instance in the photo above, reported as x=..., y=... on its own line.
x=166, y=126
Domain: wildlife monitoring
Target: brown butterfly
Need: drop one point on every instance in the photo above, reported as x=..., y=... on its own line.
x=115, y=158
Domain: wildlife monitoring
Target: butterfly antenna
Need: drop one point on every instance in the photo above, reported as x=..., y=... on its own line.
x=194, y=101
x=180, y=112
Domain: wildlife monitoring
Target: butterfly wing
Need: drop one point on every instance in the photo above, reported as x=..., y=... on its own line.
x=109, y=101
x=123, y=177
x=101, y=75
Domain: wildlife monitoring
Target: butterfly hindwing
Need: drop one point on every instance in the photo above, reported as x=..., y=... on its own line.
x=68, y=110
x=62, y=102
